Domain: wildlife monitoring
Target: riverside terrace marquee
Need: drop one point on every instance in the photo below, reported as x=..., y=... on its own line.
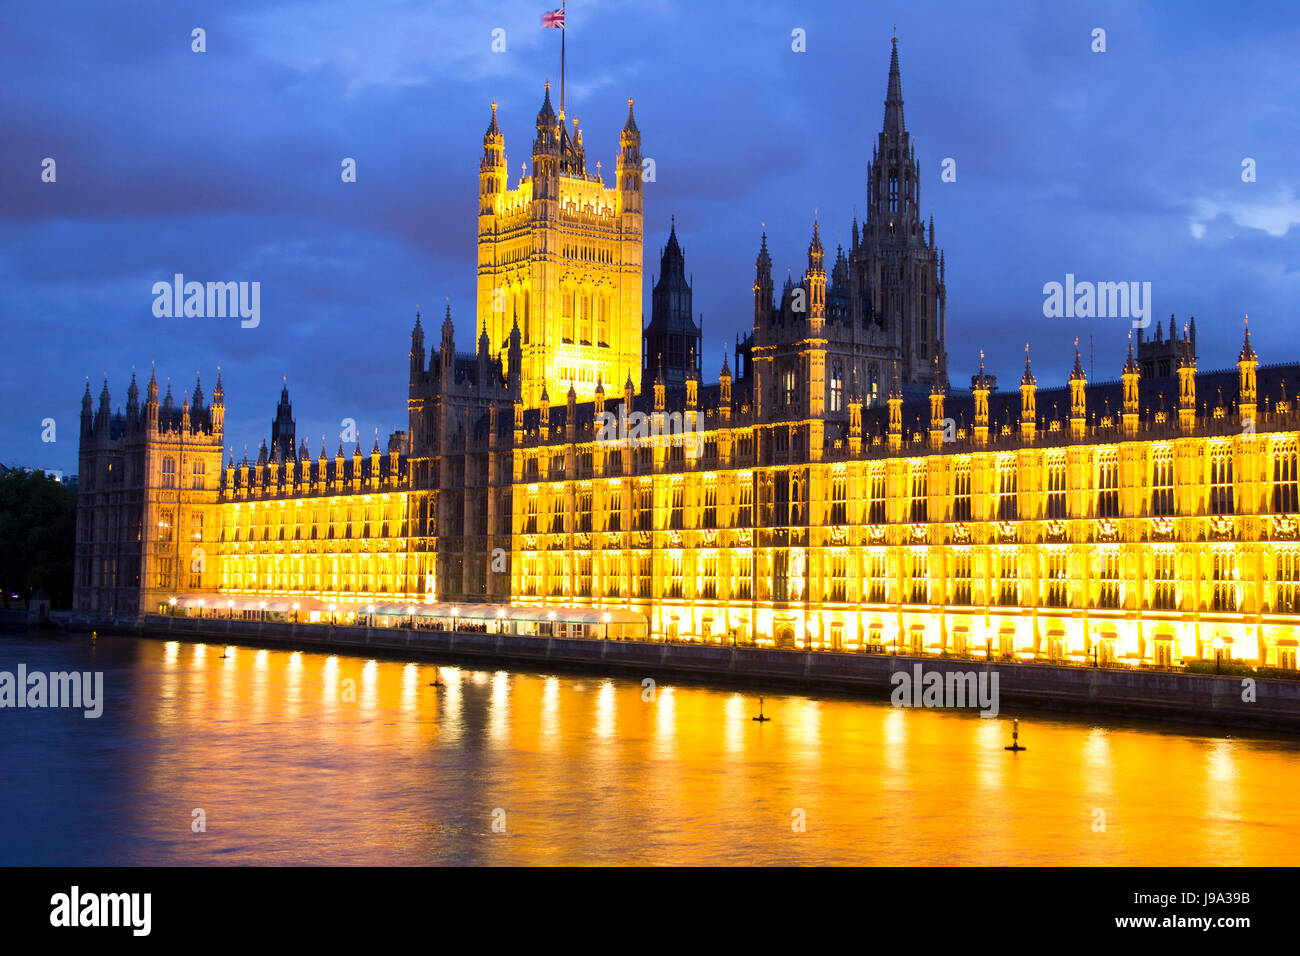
x=590, y=623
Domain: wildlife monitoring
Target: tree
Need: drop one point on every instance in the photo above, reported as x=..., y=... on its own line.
x=38, y=518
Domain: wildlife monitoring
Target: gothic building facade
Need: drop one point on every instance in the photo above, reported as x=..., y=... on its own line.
x=834, y=493
x=559, y=256
x=149, y=481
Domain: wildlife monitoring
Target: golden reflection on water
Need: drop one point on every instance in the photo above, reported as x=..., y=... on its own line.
x=292, y=768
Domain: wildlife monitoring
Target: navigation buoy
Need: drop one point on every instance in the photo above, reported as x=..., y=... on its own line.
x=760, y=718
x=94, y=635
x=1015, y=736
x=437, y=678
x=225, y=655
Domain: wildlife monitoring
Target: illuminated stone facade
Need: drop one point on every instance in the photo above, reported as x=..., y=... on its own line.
x=147, y=496
x=559, y=258
x=1125, y=533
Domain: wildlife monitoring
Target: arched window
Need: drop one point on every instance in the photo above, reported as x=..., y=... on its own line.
x=197, y=474
x=566, y=315
x=169, y=472
x=1286, y=499
x=837, y=386
x=1221, y=483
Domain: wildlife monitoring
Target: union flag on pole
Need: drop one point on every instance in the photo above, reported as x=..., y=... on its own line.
x=554, y=19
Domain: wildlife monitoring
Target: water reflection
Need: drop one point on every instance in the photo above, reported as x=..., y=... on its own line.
x=290, y=769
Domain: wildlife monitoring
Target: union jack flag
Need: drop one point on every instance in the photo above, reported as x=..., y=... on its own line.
x=554, y=19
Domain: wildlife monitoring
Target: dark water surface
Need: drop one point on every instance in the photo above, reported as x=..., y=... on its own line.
x=582, y=770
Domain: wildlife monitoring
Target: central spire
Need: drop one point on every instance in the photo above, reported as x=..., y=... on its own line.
x=894, y=95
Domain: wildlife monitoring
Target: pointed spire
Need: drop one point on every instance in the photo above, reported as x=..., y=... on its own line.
x=894, y=95
x=630, y=125
x=493, y=130
x=1026, y=379
x=1077, y=372
x=672, y=255
x=545, y=115
x=1247, y=353
x=1131, y=366
x=816, y=244
x=133, y=396
x=726, y=369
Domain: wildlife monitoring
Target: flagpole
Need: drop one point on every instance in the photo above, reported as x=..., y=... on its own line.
x=563, y=31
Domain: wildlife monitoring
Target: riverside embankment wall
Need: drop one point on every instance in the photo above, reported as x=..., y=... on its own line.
x=1123, y=692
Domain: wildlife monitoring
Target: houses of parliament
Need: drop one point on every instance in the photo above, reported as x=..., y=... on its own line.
x=831, y=489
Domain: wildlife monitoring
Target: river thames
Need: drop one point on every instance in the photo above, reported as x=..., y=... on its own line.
x=313, y=758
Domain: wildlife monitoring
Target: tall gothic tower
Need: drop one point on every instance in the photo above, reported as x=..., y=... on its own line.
x=672, y=339
x=559, y=256
x=896, y=273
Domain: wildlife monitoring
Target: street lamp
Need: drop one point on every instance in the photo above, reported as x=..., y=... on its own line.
x=171, y=602
x=261, y=605
x=604, y=619
x=200, y=609
x=295, y=612
x=1218, y=654
x=230, y=610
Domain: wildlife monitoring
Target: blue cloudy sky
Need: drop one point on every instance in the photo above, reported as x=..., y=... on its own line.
x=224, y=165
